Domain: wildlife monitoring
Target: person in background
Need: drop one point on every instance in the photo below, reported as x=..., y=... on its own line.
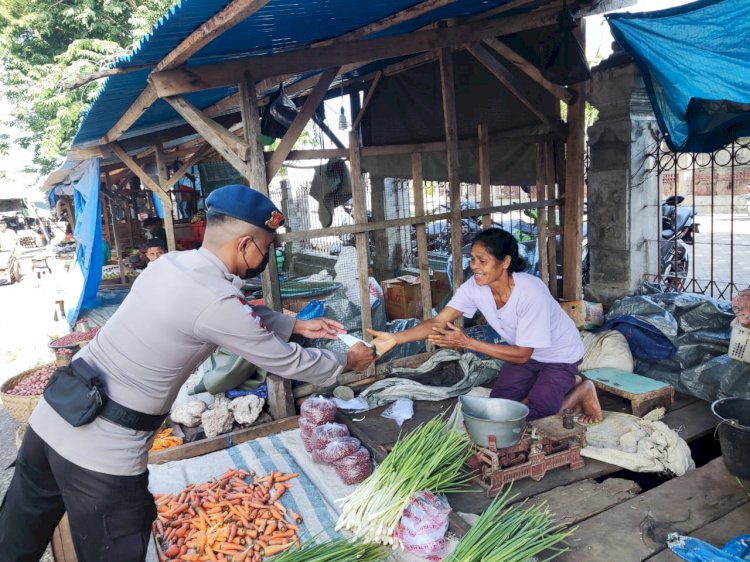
x=155, y=229
x=106, y=250
x=543, y=349
x=179, y=310
x=155, y=249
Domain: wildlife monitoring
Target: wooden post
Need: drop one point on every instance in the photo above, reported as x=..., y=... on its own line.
x=451, y=141
x=280, y=398
x=541, y=217
x=552, y=229
x=422, y=258
x=161, y=167
x=484, y=173
x=363, y=247
x=574, y=189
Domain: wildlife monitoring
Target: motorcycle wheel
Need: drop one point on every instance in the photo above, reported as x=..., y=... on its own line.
x=673, y=278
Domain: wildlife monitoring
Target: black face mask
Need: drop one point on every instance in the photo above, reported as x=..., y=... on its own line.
x=251, y=272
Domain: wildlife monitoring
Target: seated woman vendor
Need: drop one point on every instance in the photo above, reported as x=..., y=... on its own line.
x=544, y=349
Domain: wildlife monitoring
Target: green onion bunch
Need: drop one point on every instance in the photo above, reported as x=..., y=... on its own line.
x=507, y=533
x=429, y=458
x=338, y=550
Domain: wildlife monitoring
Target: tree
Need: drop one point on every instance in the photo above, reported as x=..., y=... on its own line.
x=43, y=43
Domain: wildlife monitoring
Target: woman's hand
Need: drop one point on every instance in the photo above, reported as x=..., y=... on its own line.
x=318, y=328
x=383, y=342
x=449, y=336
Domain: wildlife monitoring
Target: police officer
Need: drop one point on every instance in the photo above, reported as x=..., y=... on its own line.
x=179, y=310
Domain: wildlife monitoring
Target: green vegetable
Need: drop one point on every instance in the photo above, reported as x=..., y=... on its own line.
x=339, y=550
x=430, y=458
x=506, y=533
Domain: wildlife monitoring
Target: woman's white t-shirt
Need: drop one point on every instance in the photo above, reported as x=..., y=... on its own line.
x=530, y=318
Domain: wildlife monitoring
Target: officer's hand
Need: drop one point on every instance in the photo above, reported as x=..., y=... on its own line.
x=383, y=342
x=318, y=328
x=359, y=357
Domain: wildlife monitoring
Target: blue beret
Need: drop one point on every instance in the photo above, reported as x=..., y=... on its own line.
x=245, y=204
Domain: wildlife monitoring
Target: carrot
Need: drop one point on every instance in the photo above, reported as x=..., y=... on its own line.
x=172, y=551
x=270, y=550
x=285, y=477
x=296, y=517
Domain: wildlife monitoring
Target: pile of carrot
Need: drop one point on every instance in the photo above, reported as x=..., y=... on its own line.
x=227, y=518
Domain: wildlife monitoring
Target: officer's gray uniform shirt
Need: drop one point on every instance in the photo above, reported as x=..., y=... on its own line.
x=177, y=313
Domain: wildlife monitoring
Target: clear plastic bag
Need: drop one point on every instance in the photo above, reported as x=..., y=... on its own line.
x=423, y=525
x=354, y=468
x=400, y=411
x=318, y=410
x=324, y=434
x=306, y=426
x=336, y=450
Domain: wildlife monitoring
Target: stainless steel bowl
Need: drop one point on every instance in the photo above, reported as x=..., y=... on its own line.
x=498, y=417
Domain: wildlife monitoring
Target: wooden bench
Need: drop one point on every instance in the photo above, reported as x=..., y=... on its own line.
x=644, y=394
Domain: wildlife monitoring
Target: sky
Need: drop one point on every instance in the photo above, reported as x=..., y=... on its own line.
x=598, y=46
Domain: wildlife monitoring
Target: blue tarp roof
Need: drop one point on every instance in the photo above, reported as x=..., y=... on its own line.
x=695, y=61
x=280, y=25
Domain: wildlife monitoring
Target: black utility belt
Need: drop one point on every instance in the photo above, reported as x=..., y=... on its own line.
x=76, y=393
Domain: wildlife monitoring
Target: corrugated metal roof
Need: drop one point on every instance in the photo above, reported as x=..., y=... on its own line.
x=278, y=26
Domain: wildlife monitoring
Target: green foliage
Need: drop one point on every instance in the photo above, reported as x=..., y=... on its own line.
x=43, y=44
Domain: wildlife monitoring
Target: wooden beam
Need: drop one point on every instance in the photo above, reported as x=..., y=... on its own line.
x=361, y=239
x=484, y=172
x=227, y=18
x=451, y=141
x=328, y=132
x=575, y=151
x=191, y=161
x=541, y=217
x=506, y=53
x=280, y=398
x=528, y=98
x=367, y=100
x=203, y=77
x=144, y=100
x=216, y=135
x=210, y=129
x=422, y=257
x=138, y=171
x=161, y=167
x=552, y=216
x=299, y=123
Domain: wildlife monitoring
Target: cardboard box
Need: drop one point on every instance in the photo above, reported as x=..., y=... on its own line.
x=586, y=315
x=403, y=297
x=439, y=287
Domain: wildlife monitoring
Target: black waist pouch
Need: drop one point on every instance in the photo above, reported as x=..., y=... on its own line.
x=76, y=393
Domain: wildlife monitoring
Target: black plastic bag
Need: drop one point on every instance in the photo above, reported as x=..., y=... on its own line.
x=278, y=115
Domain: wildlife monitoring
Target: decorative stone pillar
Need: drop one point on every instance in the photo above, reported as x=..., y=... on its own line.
x=622, y=188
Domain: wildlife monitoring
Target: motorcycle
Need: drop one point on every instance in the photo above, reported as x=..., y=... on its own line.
x=678, y=230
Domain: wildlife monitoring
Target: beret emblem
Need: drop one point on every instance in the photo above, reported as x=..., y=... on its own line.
x=275, y=221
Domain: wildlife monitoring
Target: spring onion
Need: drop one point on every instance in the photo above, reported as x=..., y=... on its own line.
x=429, y=458
x=506, y=533
x=338, y=550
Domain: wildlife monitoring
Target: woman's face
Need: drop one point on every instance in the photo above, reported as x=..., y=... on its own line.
x=486, y=267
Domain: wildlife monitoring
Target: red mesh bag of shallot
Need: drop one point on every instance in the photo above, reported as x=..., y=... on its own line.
x=318, y=410
x=324, y=434
x=354, y=468
x=335, y=450
x=307, y=443
x=306, y=426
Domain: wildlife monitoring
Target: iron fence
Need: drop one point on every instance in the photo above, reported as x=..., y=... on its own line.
x=703, y=245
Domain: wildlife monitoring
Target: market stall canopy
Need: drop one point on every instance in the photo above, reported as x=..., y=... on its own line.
x=695, y=64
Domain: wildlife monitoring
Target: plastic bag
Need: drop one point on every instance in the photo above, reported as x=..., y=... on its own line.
x=313, y=309
x=423, y=525
x=400, y=411
x=336, y=450
x=306, y=426
x=318, y=410
x=354, y=468
x=324, y=434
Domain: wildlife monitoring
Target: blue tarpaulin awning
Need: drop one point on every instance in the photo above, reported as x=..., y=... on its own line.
x=695, y=61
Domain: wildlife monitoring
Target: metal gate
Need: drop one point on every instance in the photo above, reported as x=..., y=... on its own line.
x=714, y=257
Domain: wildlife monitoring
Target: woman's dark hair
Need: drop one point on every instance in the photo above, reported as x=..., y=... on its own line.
x=500, y=243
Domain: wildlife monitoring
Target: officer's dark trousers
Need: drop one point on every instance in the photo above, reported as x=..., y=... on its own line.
x=110, y=516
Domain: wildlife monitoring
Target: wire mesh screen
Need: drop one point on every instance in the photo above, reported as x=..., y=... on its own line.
x=322, y=253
